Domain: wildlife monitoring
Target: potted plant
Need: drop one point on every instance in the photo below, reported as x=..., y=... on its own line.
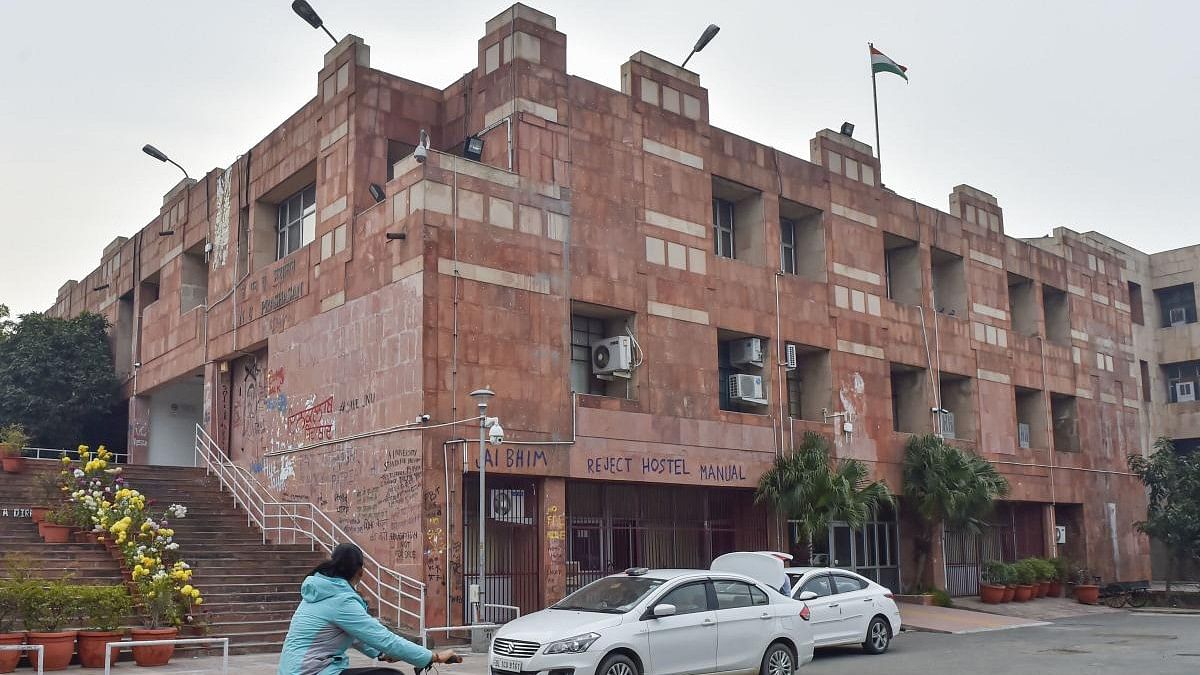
x=13, y=440
x=1010, y=583
x=1086, y=592
x=164, y=610
x=10, y=605
x=1047, y=574
x=47, y=609
x=1025, y=577
x=56, y=529
x=991, y=590
x=1062, y=574
x=1036, y=581
x=49, y=495
x=102, y=611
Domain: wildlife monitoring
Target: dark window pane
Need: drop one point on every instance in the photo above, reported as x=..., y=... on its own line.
x=687, y=599
x=732, y=594
x=818, y=585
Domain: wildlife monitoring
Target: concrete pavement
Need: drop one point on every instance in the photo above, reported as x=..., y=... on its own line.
x=931, y=619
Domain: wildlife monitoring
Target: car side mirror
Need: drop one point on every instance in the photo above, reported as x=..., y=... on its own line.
x=806, y=596
x=664, y=610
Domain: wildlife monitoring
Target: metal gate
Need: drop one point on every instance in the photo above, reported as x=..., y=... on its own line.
x=964, y=554
x=513, y=553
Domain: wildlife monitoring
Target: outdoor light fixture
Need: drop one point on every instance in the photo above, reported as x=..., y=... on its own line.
x=306, y=12
x=162, y=157
x=166, y=233
x=392, y=236
x=705, y=37
x=847, y=129
x=377, y=193
x=482, y=396
x=100, y=287
x=473, y=148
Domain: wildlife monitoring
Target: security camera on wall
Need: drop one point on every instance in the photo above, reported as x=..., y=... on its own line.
x=496, y=434
x=421, y=153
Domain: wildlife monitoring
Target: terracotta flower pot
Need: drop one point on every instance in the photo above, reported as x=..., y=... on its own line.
x=9, y=659
x=91, y=646
x=990, y=594
x=1055, y=590
x=13, y=464
x=158, y=655
x=1087, y=594
x=59, y=648
x=1023, y=593
x=56, y=534
x=1043, y=589
x=38, y=513
x=1009, y=591
x=82, y=537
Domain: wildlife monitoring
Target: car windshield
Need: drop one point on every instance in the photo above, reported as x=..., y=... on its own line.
x=610, y=595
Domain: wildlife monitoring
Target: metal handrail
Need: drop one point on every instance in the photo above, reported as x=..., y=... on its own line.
x=118, y=457
x=280, y=520
x=41, y=652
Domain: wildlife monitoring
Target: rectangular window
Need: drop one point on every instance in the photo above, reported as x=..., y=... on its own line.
x=1136, y=311
x=1183, y=381
x=1178, y=305
x=1065, y=416
x=902, y=269
x=1145, y=380
x=584, y=331
x=787, y=246
x=723, y=228
x=296, y=221
x=809, y=384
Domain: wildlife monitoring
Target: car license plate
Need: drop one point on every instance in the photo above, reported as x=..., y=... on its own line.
x=510, y=665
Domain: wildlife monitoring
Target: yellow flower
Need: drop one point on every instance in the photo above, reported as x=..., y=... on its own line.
x=187, y=589
x=65, y=460
x=198, y=601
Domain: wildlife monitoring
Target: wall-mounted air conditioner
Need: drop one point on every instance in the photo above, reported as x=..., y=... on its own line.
x=1185, y=391
x=508, y=506
x=746, y=352
x=791, y=357
x=1023, y=435
x=747, y=389
x=612, y=357
x=1177, y=316
x=945, y=422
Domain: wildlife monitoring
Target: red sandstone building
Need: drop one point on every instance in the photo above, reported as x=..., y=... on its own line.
x=760, y=296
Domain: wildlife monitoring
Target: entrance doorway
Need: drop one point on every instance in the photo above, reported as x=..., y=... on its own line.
x=872, y=551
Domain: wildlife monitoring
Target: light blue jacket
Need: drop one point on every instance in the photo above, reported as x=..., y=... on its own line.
x=331, y=618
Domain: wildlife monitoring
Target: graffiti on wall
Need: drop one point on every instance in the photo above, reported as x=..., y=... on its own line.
x=556, y=545
x=221, y=218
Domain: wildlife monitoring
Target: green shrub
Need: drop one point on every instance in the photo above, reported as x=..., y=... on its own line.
x=1062, y=569
x=1026, y=572
x=941, y=598
x=996, y=573
x=1047, y=570
x=48, y=607
x=102, y=608
x=10, y=603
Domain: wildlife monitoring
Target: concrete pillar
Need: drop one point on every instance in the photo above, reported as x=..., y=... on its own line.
x=553, y=536
x=139, y=429
x=1048, y=531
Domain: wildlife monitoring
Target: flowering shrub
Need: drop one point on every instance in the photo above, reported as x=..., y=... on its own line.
x=115, y=511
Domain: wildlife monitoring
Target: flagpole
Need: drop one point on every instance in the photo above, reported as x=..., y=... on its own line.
x=875, y=98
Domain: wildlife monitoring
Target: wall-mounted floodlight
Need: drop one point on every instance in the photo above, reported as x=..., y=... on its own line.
x=848, y=129
x=376, y=193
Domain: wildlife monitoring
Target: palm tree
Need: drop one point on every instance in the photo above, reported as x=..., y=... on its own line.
x=808, y=488
x=949, y=488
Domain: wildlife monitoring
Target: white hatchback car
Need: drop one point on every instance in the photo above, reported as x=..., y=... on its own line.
x=659, y=622
x=847, y=609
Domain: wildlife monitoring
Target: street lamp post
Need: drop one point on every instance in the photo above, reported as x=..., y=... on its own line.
x=496, y=436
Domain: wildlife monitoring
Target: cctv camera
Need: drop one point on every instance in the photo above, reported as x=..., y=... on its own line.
x=423, y=418
x=496, y=434
x=421, y=154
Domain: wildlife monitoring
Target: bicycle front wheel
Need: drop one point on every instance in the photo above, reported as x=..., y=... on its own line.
x=1116, y=601
x=1139, y=598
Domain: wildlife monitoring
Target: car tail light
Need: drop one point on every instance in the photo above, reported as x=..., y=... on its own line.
x=889, y=596
x=805, y=613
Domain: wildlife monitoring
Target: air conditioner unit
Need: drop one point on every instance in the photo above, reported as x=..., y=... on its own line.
x=945, y=422
x=1185, y=391
x=1177, y=316
x=747, y=389
x=1023, y=435
x=612, y=357
x=508, y=506
x=791, y=356
x=746, y=352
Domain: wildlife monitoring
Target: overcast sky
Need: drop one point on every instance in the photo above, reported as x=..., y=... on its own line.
x=1076, y=113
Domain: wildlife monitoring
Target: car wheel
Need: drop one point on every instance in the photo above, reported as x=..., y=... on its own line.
x=779, y=660
x=617, y=664
x=879, y=636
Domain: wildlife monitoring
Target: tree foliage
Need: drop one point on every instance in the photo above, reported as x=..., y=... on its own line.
x=57, y=377
x=1172, y=484
x=948, y=487
x=806, y=486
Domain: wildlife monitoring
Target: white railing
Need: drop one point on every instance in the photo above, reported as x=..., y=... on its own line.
x=41, y=653
x=397, y=597
x=58, y=453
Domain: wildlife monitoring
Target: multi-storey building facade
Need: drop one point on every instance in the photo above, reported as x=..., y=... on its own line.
x=311, y=302
x=1166, y=347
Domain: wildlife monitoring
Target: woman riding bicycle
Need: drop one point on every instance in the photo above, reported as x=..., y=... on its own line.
x=332, y=617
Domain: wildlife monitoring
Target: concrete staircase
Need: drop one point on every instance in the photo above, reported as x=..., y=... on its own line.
x=250, y=588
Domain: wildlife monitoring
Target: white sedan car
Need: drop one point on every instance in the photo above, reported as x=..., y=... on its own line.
x=847, y=609
x=659, y=622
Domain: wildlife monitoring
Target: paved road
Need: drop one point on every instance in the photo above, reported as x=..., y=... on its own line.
x=1129, y=644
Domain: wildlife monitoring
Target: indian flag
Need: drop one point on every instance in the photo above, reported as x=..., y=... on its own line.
x=880, y=63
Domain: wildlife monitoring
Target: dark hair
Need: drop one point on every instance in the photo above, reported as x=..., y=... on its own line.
x=345, y=562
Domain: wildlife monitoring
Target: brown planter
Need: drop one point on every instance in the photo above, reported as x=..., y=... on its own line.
x=1087, y=594
x=158, y=655
x=990, y=594
x=1043, y=589
x=91, y=646
x=59, y=648
x=38, y=513
x=56, y=534
x=14, y=464
x=1009, y=591
x=1055, y=590
x=1023, y=593
x=83, y=537
x=9, y=659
